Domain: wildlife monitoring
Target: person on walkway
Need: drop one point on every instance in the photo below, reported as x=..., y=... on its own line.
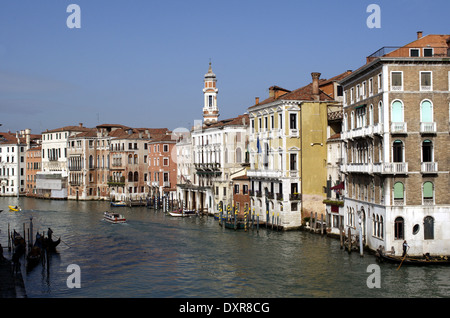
x=405, y=248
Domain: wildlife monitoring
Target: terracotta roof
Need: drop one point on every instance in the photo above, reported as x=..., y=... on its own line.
x=68, y=128
x=236, y=121
x=304, y=93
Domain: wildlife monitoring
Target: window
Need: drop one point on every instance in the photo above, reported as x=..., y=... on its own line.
x=397, y=151
x=397, y=111
x=427, y=151
x=428, y=227
x=414, y=52
x=426, y=112
x=427, y=52
x=397, y=81
x=165, y=148
x=427, y=192
x=236, y=189
x=398, y=228
x=293, y=121
x=380, y=82
x=426, y=81
x=280, y=125
x=398, y=193
x=210, y=101
x=293, y=161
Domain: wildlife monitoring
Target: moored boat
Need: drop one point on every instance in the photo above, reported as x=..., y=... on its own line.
x=182, y=213
x=118, y=203
x=114, y=217
x=424, y=260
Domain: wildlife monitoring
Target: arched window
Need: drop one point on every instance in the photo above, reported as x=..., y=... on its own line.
x=426, y=111
x=427, y=151
x=398, y=228
x=91, y=162
x=380, y=112
x=428, y=228
x=136, y=176
x=427, y=193
x=397, y=112
x=130, y=176
x=371, y=115
x=397, y=151
x=398, y=193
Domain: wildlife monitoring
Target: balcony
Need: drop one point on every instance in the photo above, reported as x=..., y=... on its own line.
x=429, y=167
x=279, y=196
x=428, y=128
x=264, y=173
x=398, y=128
x=394, y=168
x=166, y=184
x=295, y=196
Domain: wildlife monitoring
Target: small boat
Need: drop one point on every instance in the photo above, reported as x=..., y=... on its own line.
x=33, y=257
x=118, y=203
x=114, y=217
x=182, y=213
x=424, y=260
x=14, y=208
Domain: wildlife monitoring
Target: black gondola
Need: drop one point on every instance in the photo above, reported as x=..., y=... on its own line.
x=424, y=260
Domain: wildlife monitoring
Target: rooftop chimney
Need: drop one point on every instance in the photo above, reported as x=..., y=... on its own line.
x=419, y=34
x=256, y=100
x=315, y=85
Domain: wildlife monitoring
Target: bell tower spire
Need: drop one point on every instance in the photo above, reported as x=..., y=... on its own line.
x=210, y=109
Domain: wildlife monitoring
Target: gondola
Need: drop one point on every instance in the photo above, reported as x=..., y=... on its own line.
x=424, y=260
x=33, y=257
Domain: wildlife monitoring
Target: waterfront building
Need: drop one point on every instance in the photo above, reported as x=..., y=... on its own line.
x=217, y=150
x=51, y=181
x=396, y=160
x=89, y=163
x=162, y=166
x=13, y=147
x=288, y=151
x=129, y=163
x=33, y=161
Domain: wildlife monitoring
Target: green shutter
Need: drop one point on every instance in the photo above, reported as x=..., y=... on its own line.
x=426, y=112
x=427, y=190
x=397, y=112
x=398, y=190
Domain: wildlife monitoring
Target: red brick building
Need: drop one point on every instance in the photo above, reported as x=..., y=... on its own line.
x=162, y=166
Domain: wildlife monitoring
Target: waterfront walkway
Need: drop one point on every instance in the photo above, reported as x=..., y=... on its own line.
x=11, y=285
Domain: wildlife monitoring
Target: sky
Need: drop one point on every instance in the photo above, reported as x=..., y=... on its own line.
x=141, y=63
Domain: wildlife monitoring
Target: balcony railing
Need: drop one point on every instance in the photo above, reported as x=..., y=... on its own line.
x=428, y=128
x=394, y=167
x=398, y=128
x=429, y=167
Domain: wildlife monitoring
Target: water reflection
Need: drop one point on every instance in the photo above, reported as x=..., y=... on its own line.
x=155, y=255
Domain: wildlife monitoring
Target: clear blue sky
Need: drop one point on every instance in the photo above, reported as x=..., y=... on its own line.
x=141, y=63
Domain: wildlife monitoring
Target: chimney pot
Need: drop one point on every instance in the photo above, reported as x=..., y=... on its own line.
x=256, y=100
x=315, y=84
x=419, y=34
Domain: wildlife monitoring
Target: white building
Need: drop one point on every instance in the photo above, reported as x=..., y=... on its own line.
x=217, y=150
x=12, y=162
x=51, y=182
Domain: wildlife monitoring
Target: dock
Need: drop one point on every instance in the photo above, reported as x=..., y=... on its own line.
x=12, y=285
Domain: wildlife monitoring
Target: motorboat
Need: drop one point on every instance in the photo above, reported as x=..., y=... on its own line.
x=119, y=203
x=14, y=208
x=182, y=213
x=114, y=217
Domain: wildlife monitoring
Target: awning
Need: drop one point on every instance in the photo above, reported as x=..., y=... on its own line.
x=339, y=186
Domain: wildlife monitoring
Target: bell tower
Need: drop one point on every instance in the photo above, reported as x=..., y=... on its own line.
x=210, y=109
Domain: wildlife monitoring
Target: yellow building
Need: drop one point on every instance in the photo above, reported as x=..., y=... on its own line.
x=288, y=153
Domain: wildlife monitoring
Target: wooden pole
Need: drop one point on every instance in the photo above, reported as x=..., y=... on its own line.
x=321, y=224
x=340, y=236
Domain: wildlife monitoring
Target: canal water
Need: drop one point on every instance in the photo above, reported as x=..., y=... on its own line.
x=156, y=255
